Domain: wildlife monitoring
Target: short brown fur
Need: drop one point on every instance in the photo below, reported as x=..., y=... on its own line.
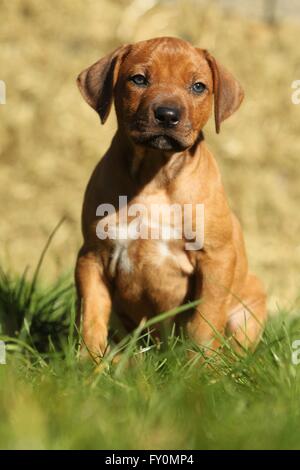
x=152, y=164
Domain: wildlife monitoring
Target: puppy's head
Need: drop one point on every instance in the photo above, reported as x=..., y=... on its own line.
x=163, y=91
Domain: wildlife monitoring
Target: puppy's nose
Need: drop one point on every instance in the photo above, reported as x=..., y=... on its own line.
x=167, y=117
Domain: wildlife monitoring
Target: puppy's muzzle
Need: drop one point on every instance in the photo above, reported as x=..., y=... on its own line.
x=166, y=116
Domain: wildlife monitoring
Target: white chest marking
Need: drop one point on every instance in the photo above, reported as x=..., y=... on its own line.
x=123, y=235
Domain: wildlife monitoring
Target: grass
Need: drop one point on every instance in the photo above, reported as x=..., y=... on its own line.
x=50, y=139
x=154, y=398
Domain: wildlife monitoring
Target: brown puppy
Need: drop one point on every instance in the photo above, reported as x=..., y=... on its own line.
x=163, y=92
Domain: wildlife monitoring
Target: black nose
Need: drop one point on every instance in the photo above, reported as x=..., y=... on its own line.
x=168, y=117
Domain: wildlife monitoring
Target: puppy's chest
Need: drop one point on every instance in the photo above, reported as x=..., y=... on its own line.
x=146, y=241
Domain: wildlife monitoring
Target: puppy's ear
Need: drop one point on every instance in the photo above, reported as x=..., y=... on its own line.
x=97, y=82
x=228, y=93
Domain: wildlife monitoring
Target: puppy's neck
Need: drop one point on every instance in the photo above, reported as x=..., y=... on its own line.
x=145, y=165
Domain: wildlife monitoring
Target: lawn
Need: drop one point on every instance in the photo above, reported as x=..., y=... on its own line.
x=154, y=398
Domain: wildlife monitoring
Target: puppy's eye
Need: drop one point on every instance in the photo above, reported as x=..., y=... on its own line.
x=139, y=80
x=198, y=88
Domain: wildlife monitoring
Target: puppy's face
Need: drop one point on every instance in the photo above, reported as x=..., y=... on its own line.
x=163, y=91
x=163, y=95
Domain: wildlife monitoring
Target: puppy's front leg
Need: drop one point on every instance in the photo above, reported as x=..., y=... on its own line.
x=213, y=282
x=94, y=303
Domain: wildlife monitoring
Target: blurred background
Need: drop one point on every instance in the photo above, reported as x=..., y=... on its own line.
x=50, y=140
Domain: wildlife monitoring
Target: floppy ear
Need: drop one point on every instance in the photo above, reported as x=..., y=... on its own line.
x=97, y=82
x=228, y=93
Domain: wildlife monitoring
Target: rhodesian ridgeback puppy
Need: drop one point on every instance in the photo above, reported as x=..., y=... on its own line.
x=163, y=90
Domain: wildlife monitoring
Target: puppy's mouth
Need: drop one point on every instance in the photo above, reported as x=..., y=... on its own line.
x=160, y=141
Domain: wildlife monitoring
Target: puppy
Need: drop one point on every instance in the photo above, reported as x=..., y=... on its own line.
x=163, y=91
